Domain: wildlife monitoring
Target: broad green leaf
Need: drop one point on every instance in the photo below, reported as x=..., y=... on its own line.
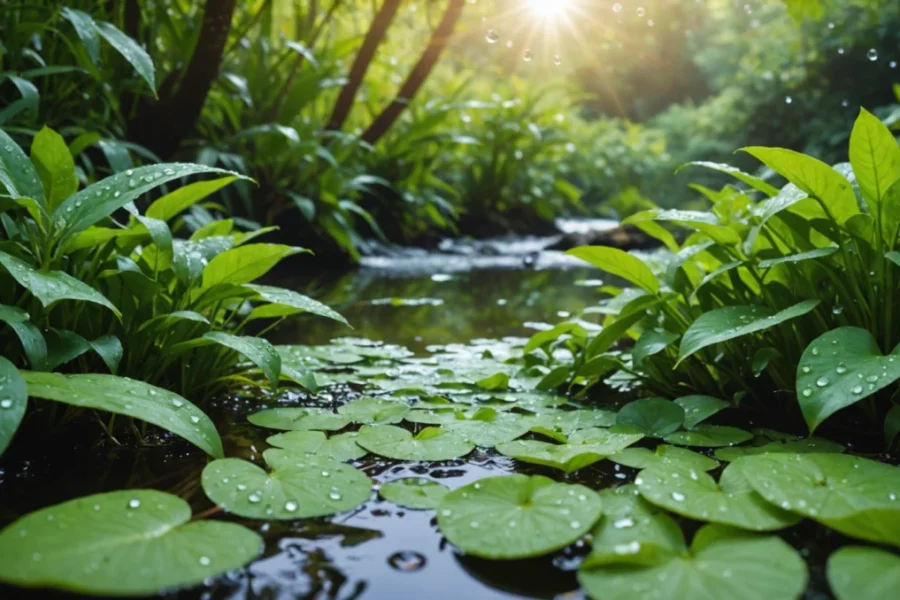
x=840, y=368
x=318, y=488
x=754, y=182
x=813, y=177
x=544, y=338
x=584, y=448
x=54, y=164
x=709, y=436
x=654, y=417
x=651, y=343
x=414, y=492
x=341, y=447
x=664, y=456
x=856, y=496
x=103, y=198
x=799, y=446
x=191, y=257
x=875, y=157
x=17, y=174
x=619, y=263
x=732, y=322
x=890, y=215
x=694, y=494
x=497, y=381
x=257, y=350
x=369, y=411
x=130, y=50
x=516, y=516
x=698, y=408
x=572, y=420
x=86, y=29
x=174, y=203
x=130, y=398
x=487, y=427
x=799, y=257
x=762, y=358
x=704, y=222
x=432, y=443
x=245, y=264
x=52, y=286
x=299, y=419
x=286, y=302
x=723, y=564
x=31, y=338
x=857, y=572
x=13, y=401
x=128, y=543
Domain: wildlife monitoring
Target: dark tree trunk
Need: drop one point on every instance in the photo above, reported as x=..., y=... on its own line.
x=363, y=61
x=161, y=126
x=419, y=74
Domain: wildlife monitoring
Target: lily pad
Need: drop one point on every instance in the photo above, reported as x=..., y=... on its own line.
x=341, y=447
x=374, y=410
x=802, y=446
x=128, y=543
x=696, y=495
x=573, y=420
x=663, y=456
x=856, y=572
x=319, y=488
x=414, y=492
x=722, y=564
x=699, y=408
x=580, y=452
x=517, y=516
x=856, y=496
x=488, y=427
x=299, y=419
x=709, y=436
x=654, y=417
x=432, y=443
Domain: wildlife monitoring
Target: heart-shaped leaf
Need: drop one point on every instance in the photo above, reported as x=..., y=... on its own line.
x=487, y=427
x=432, y=443
x=299, y=419
x=584, y=448
x=374, y=410
x=856, y=572
x=516, y=516
x=654, y=417
x=709, y=436
x=699, y=408
x=87, y=545
x=13, y=401
x=663, y=456
x=569, y=421
x=320, y=487
x=839, y=369
x=805, y=446
x=341, y=447
x=414, y=492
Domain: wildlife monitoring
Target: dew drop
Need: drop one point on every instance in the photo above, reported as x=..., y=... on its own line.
x=822, y=381
x=134, y=503
x=492, y=36
x=872, y=54
x=290, y=506
x=204, y=560
x=677, y=496
x=254, y=498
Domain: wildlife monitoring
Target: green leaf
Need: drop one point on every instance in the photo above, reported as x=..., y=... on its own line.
x=487, y=427
x=619, y=263
x=130, y=398
x=754, y=182
x=516, y=516
x=856, y=572
x=572, y=420
x=257, y=350
x=813, y=177
x=245, y=264
x=52, y=286
x=732, y=322
x=699, y=408
x=497, y=381
x=709, y=436
x=341, y=447
x=17, y=174
x=654, y=417
x=13, y=402
x=54, y=164
x=664, y=456
x=799, y=446
x=584, y=448
x=875, y=157
x=287, y=302
x=856, y=496
x=432, y=443
x=414, y=492
x=651, y=343
x=103, y=198
x=86, y=545
x=704, y=222
x=762, y=358
x=174, y=203
x=799, y=257
x=86, y=29
x=31, y=338
x=891, y=425
x=130, y=50
x=318, y=488
x=299, y=419
x=374, y=410
x=696, y=495
x=723, y=564
x=840, y=368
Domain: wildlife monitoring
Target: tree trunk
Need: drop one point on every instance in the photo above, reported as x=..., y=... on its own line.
x=361, y=64
x=161, y=126
x=419, y=74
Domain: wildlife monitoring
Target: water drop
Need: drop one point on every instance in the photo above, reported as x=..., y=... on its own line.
x=805, y=369
x=822, y=381
x=335, y=495
x=290, y=506
x=474, y=525
x=134, y=503
x=254, y=498
x=6, y=403
x=575, y=524
x=492, y=36
x=872, y=54
x=858, y=389
x=841, y=369
x=526, y=56
x=204, y=560
x=677, y=496
x=807, y=392
x=177, y=403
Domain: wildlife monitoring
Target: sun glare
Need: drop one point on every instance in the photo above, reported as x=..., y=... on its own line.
x=548, y=8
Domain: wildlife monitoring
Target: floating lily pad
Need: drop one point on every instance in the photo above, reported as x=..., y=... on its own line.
x=709, y=436
x=803, y=446
x=856, y=496
x=516, y=516
x=654, y=417
x=497, y=381
x=573, y=420
x=414, y=492
x=580, y=452
x=319, y=488
x=857, y=573
x=487, y=427
x=694, y=494
x=432, y=443
x=299, y=419
x=699, y=408
x=441, y=416
x=341, y=447
x=643, y=458
x=723, y=564
x=128, y=543
x=374, y=410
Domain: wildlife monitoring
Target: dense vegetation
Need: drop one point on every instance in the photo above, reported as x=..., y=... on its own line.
x=160, y=159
